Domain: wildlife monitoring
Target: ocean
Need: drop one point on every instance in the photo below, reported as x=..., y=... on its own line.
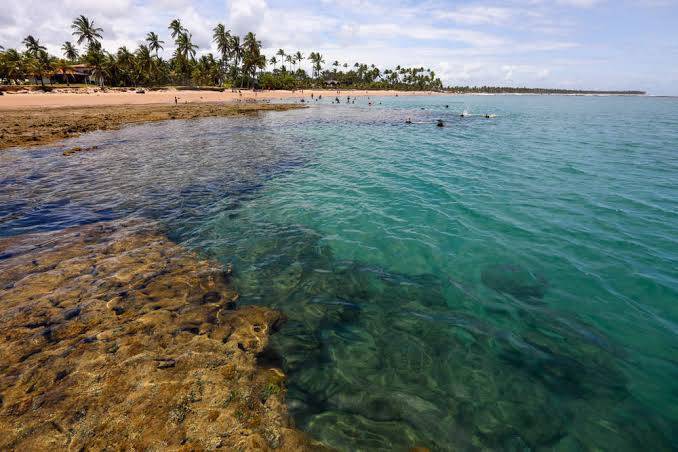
x=504, y=283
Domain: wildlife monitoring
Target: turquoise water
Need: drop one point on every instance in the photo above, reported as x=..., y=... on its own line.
x=505, y=283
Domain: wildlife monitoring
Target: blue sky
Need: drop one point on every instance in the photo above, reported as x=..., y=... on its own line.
x=597, y=44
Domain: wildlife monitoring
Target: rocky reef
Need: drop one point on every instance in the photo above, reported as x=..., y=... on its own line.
x=112, y=336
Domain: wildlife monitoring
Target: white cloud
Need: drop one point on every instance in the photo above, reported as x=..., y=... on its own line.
x=475, y=15
x=580, y=3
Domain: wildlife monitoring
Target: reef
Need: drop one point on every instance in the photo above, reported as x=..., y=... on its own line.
x=112, y=336
x=29, y=127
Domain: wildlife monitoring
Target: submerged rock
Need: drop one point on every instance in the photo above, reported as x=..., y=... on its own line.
x=514, y=280
x=145, y=354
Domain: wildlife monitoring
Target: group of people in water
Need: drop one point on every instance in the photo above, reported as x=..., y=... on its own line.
x=441, y=123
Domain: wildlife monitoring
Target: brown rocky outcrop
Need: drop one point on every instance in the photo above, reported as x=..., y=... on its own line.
x=113, y=337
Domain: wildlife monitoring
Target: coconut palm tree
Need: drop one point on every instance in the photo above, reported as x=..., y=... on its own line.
x=85, y=30
x=273, y=61
x=14, y=65
x=145, y=63
x=154, y=42
x=39, y=65
x=98, y=62
x=70, y=52
x=222, y=38
x=236, y=54
x=64, y=68
x=33, y=46
x=185, y=46
x=317, y=60
x=176, y=28
x=252, y=57
x=298, y=57
x=35, y=51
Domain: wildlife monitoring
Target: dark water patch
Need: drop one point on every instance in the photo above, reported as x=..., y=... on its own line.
x=514, y=280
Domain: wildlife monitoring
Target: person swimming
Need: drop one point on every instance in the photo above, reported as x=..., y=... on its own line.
x=440, y=123
x=408, y=121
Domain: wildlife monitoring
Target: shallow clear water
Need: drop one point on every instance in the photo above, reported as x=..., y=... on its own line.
x=504, y=283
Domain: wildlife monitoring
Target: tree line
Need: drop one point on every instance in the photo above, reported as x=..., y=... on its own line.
x=523, y=90
x=239, y=63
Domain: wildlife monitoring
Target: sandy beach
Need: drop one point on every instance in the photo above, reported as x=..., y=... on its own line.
x=95, y=97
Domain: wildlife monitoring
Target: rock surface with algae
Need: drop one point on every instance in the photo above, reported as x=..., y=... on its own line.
x=113, y=337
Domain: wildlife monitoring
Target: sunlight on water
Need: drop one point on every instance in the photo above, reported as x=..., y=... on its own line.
x=504, y=283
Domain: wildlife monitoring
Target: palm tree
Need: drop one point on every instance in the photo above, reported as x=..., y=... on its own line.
x=185, y=46
x=317, y=60
x=273, y=61
x=39, y=64
x=64, y=68
x=184, y=54
x=33, y=46
x=222, y=38
x=154, y=42
x=281, y=54
x=127, y=65
x=145, y=63
x=70, y=52
x=176, y=28
x=98, y=62
x=85, y=30
x=252, y=57
x=236, y=54
x=35, y=51
x=298, y=57
x=14, y=65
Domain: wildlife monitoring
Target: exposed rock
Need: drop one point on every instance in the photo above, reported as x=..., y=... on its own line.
x=76, y=149
x=32, y=126
x=143, y=353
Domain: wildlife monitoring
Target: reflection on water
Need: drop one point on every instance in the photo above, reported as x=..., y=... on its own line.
x=441, y=290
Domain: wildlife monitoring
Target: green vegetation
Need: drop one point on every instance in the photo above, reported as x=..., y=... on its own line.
x=239, y=63
x=514, y=90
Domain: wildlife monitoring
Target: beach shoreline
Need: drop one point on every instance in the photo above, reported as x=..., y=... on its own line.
x=64, y=97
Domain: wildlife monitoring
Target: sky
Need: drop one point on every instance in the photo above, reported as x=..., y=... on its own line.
x=579, y=44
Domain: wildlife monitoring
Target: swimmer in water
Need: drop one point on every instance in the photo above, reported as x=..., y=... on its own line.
x=408, y=121
x=440, y=123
